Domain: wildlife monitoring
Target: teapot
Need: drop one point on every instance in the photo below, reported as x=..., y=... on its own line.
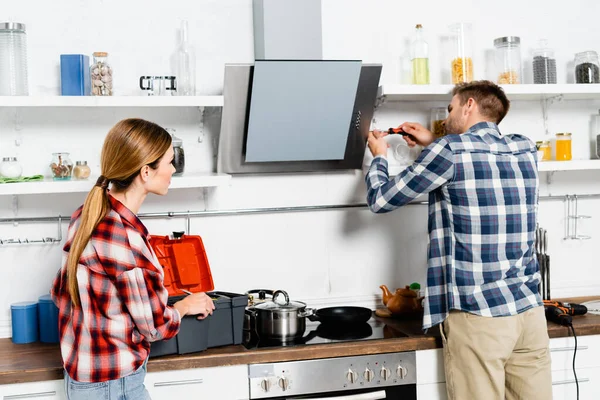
x=403, y=301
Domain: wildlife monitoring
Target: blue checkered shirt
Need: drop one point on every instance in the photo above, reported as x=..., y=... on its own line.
x=483, y=196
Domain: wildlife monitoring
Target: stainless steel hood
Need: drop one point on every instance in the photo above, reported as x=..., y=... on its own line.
x=296, y=115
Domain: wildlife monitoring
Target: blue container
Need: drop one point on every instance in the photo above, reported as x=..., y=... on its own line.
x=24, y=317
x=48, y=319
x=75, y=75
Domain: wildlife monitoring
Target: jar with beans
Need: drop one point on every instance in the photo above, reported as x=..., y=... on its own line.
x=101, y=75
x=587, y=69
x=544, y=64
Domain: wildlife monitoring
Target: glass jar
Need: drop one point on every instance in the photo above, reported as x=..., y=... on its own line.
x=81, y=170
x=461, y=66
x=13, y=59
x=61, y=166
x=419, y=57
x=179, y=156
x=587, y=69
x=544, y=150
x=101, y=75
x=10, y=168
x=508, y=59
x=544, y=64
x=437, y=121
x=563, y=146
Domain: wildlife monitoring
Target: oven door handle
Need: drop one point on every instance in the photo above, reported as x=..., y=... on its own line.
x=362, y=396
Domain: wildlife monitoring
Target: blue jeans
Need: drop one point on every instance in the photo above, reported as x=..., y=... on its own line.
x=130, y=387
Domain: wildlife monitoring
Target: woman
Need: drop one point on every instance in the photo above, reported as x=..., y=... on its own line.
x=110, y=293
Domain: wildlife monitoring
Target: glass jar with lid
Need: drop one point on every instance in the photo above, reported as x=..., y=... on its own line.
x=61, y=166
x=563, y=146
x=101, y=75
x=461, y=65
x=544, y=150
x=544, y=64
x=587, y=69
x=508, y=59
x=81, y=170
x=179, y=155
x=10, y=168
x=437, y=121
x=13, y=59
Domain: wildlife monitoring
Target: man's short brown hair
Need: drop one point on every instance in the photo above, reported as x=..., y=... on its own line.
x=490, y=98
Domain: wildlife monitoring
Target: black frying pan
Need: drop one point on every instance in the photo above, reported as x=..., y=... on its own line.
x=341, y=315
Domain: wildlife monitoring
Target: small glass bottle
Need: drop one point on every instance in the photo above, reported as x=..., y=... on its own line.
x=185, y=64
x=508, y=59
x=462, y=55
x=10, y=168
x=13, y=59
x=101, y=75
x=438, y=120
x=544, y=150
x=61, y=166
x=81, y=170
x=563, y=146
x=420, y=58
x=587, y=69
x=544, y=64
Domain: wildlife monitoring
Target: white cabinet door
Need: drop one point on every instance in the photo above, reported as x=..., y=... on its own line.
x=564, y=388
x=223, y=383
x=432, y=391
x=562, y=350
x=430, y=366
x=45, y=390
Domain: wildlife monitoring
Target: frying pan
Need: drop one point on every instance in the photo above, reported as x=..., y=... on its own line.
x=341, y=315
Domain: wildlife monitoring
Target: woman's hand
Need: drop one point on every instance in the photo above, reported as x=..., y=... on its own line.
x=196, y=304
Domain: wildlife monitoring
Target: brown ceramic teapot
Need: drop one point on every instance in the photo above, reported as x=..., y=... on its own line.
x=403, y=301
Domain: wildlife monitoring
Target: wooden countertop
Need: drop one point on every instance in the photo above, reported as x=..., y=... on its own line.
x=40, y=362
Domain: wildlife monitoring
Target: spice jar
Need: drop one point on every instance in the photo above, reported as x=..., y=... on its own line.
x=544, y=150
x=81, y=170
x=10, y=168
x=101, y=75
x=61, y=166
x=462, y=53
x=437, y=121
x=544, y=64
x=587, y=69
x=563, y=146
x=179, y=155
x=508, y=59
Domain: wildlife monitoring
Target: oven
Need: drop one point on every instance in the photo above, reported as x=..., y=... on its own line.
x=371, y=377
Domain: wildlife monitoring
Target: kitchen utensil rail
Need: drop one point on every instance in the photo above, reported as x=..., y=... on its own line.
x=217, y=213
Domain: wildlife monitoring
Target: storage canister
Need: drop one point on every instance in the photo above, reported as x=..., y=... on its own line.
x=13, y=59
x=563, y=146
x=437, y=120
x=544, y=64
x=101, y=75
x=24, y=317
x=48, y=319
x=544, y=150
x=587, y=69
x=461, y=66
x=508, y=59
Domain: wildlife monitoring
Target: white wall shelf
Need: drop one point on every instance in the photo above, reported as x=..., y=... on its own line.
x=111, y=101
x=514, y=92
x=574, y=165
x=75, y=186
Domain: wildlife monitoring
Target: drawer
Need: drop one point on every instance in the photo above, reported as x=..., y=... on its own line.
x=229, y=383
x=45, y=390
x=430, y=366
x=432, y=391
x=564, y=388
x=562, y=350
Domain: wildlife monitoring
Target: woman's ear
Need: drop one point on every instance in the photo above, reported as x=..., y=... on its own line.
x=145, y=173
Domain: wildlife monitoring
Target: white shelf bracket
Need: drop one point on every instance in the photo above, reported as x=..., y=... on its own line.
x=201, y=132
x=15, y=207
x=546, y=103
x=550, y=177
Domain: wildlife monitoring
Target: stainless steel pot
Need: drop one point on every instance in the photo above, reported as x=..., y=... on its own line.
x=275, y=320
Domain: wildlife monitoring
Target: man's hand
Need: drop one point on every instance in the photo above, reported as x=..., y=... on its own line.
x=377, y=143
x=420, y=135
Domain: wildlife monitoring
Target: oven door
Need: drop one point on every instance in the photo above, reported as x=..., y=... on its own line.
x=403, y=392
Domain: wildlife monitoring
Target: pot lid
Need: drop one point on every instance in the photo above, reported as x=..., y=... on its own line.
x=276, y=303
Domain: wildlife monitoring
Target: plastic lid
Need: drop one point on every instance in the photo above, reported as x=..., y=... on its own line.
x=563, y=134
x=543, y=49
x=100, y=54
x=23, y=305
x=507, y=40
x=12, y=26
x=176, y=141
x=45, y=299
x=419, y=26
x=80, y=162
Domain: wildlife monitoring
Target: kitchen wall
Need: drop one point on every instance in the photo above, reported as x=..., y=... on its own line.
x=331, y=257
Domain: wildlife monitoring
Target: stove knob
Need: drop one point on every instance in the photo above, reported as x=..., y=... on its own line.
x=351, y=376
x=369, y=375
x=385, y=373
x=265, y=384
x=284, y=383
x=401, y=372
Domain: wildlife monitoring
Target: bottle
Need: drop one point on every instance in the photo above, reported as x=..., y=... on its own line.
x=544, y=64
x=185, y=64
x=13, y=59
x=419, y=58
x=81, y=170
x=508, y=59
x=101, y=75
x=461, y=66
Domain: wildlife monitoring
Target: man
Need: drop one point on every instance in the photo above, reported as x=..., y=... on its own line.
x=482, y=277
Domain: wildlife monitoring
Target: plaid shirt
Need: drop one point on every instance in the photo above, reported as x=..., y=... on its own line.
x=123, y=300
x=483, y=196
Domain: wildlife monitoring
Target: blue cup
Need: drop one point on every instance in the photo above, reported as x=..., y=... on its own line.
x=24, y=317
x=48, y=319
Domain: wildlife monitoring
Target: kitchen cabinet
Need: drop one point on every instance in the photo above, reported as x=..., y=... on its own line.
x=45, y=390
x=227, y=383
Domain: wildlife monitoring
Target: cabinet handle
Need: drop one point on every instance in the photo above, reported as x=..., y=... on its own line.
x=569, y=381
x=179, y=383
x=29, y=395
x=569, y=348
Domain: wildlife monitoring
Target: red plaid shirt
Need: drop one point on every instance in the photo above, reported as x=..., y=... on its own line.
x=123, y=300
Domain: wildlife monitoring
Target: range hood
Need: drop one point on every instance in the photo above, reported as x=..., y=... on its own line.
x=296, y=115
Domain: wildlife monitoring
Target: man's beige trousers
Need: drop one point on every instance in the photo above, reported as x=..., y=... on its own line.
x=497, y=358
